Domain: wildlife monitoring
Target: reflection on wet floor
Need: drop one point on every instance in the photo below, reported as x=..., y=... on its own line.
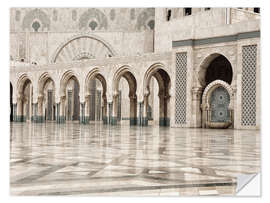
x=96, y=159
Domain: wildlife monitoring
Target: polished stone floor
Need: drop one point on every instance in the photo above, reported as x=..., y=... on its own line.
x=96, y=159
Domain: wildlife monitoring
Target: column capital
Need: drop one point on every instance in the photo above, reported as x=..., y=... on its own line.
x=196, y=93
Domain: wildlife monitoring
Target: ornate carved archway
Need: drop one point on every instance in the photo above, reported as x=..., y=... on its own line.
x=217, y=105
x=82, y=46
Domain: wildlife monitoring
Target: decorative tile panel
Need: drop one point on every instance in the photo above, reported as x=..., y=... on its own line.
x=249, y=62
x=180, y=88
x=219, y=101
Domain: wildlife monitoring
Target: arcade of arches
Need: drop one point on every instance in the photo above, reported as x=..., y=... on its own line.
x=214, y=105
x=123, y=109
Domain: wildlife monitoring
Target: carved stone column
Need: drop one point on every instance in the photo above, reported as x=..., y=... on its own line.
x=133, y=110
x=35, y=117
x=62, y=110
x=57, y=112
x=19, y=116
x=196, y=118
x=14, y=113
x=105, y=111
x=87, y=109
x=82, y=113
x=167, y=99
x=109, y=112
x=40, y=116
x=143, y=110
x=114, y=110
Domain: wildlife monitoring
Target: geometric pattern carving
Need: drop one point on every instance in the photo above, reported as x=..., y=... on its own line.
x=249, y=61
x=112, y=14
x=146, y=19
x=18, y=15
x=55, y=15
x=219, y=103
x=74, y=15
x=180, y=88
x=93, y=15
x=81, y=47
x=132, y=14
x=32, y=16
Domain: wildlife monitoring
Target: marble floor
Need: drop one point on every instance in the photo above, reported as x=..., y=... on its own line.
x=99, y=160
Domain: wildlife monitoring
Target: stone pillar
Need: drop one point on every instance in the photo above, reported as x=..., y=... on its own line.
x=57, y=113
x=62, y=110
x=14, y=112
x=196, y=118
x=114, y=110
x=143, y=110
x=161, y=110
x=35, y=117
x=167, y=99
x=133, y=110
x=109, y=112
x=40, y=116
x=25, y=112
x=82, y=113
x=87, y=109
x=139, y=113
x=30, y=102
x=105, y=112
x=19, y=116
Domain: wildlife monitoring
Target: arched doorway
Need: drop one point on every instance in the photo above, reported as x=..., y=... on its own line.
x=121, y=97
x=162, y=78
x=95, y=99
x=11, y=102
x=70, y=99
x=46, y=99
x=25, y=99
x=215, y=77
x=219, y=69
x=215, y=67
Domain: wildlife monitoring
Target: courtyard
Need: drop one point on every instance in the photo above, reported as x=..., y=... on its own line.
x=96, y=159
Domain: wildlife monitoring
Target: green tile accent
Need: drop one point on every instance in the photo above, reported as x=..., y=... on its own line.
x=167, y=121
x=114, y=120
x=20, y=119
x=86, y=119
x=144, y=121
x=164, y=121
x=213, y=40
x=105, y=120
x=133, y=121
x=38, y=119
x=62, y=119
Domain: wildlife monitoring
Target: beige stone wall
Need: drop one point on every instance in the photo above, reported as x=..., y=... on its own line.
x=136, y=49
x=239, y=15
x=125, y=29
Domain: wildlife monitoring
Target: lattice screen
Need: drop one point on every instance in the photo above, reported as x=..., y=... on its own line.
x=180, y=88
x=249, y=60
